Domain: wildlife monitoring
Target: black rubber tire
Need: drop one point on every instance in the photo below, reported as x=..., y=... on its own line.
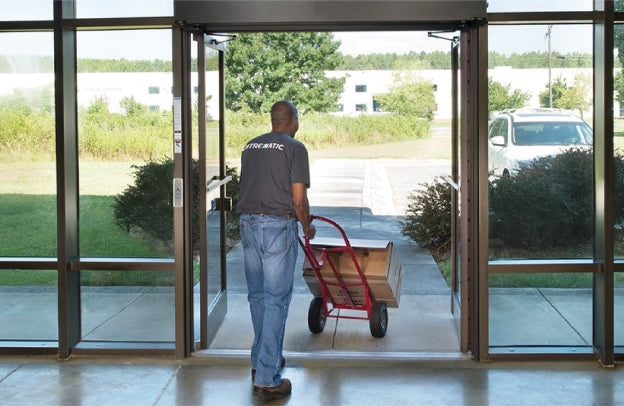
x=316, y=315
x=379, y=319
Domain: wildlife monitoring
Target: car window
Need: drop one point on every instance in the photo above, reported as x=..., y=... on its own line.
x=499, y=127
x=493, y=131
x=586, y=133
x=551, y=133
x=504, y=129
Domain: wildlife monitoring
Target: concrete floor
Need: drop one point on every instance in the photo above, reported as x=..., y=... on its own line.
x=136, y=382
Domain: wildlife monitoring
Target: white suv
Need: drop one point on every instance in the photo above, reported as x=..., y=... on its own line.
x=517, y=137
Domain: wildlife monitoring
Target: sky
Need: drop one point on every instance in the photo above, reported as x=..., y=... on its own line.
x=156, y=44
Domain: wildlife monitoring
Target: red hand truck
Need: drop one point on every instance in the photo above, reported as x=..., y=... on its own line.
x=327, y=305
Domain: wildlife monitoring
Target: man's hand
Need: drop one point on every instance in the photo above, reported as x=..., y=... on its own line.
x=311, y=232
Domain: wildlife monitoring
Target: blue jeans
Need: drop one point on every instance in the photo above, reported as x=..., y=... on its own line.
x=270, y=252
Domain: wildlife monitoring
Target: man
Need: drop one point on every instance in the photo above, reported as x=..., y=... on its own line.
x=275, y=175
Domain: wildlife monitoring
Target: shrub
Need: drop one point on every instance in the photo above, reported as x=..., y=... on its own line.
x=550, y=202
x=148, y=204
x=428, y=220
x=547, y=204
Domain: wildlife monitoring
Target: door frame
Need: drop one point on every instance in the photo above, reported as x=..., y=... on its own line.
x=468, y=18
x=211, y=314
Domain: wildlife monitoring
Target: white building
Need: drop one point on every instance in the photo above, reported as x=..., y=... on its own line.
x=360, y=89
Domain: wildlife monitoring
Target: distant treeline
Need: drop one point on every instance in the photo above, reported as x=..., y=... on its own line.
x=390, y=61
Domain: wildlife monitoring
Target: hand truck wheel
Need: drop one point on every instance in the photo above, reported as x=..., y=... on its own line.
x=316, y=315
x=379, y=319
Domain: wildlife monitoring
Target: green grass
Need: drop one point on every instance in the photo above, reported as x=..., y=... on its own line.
x=535, y=280
x=31, y=224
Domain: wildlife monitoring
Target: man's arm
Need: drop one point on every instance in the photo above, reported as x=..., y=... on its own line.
x=302, y=208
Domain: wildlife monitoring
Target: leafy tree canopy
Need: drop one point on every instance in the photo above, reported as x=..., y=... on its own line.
x=410, y=96
x=575, y=97
x=263, y=68
x=501, y=97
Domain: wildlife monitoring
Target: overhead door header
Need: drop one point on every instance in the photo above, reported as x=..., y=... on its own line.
x=297, y=14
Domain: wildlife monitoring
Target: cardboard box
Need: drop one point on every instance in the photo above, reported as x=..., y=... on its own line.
x=378, y=260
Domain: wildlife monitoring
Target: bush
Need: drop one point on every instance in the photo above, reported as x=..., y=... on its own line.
x=148, y=204
x=548, y=204
x=428, y=219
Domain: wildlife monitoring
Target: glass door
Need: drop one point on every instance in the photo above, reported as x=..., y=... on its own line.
x=210, y=268
x=456, y=279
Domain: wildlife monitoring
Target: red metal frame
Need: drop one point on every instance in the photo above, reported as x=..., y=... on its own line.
x=326, y=295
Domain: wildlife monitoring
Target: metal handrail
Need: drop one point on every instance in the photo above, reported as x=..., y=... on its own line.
x=213, y=186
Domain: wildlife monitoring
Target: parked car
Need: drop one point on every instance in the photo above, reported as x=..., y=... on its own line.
x=516, y=137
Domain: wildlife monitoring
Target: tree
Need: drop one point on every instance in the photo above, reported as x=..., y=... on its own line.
x=501, y=97
x=569, y=97
x=559, y=86
x=410, y=96
x=266, y=67
x=575, y=98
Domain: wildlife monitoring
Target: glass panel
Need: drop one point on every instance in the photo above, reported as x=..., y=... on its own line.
x=541, y=158
x=125, y=145
x=213, y=217
x=28, y=305
x=127, y=306
x=540, y=309
x=618, y=141
x=123, y=8
x=619, y=309
x=26, y=10
x=618, y=144
x=500, y=6
x=28, y=298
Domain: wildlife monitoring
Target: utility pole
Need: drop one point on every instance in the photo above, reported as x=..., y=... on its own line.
x=548, y=32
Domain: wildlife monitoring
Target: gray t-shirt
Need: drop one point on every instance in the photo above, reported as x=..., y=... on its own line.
x=270, y=164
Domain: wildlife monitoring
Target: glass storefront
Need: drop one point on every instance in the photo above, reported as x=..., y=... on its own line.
x=542, y=176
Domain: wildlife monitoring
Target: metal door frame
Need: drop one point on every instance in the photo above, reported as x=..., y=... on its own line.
x=211, y=314
x=467, y=303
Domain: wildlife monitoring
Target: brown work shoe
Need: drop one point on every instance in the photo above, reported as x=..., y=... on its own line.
x=281, y=366
x=273, y=392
